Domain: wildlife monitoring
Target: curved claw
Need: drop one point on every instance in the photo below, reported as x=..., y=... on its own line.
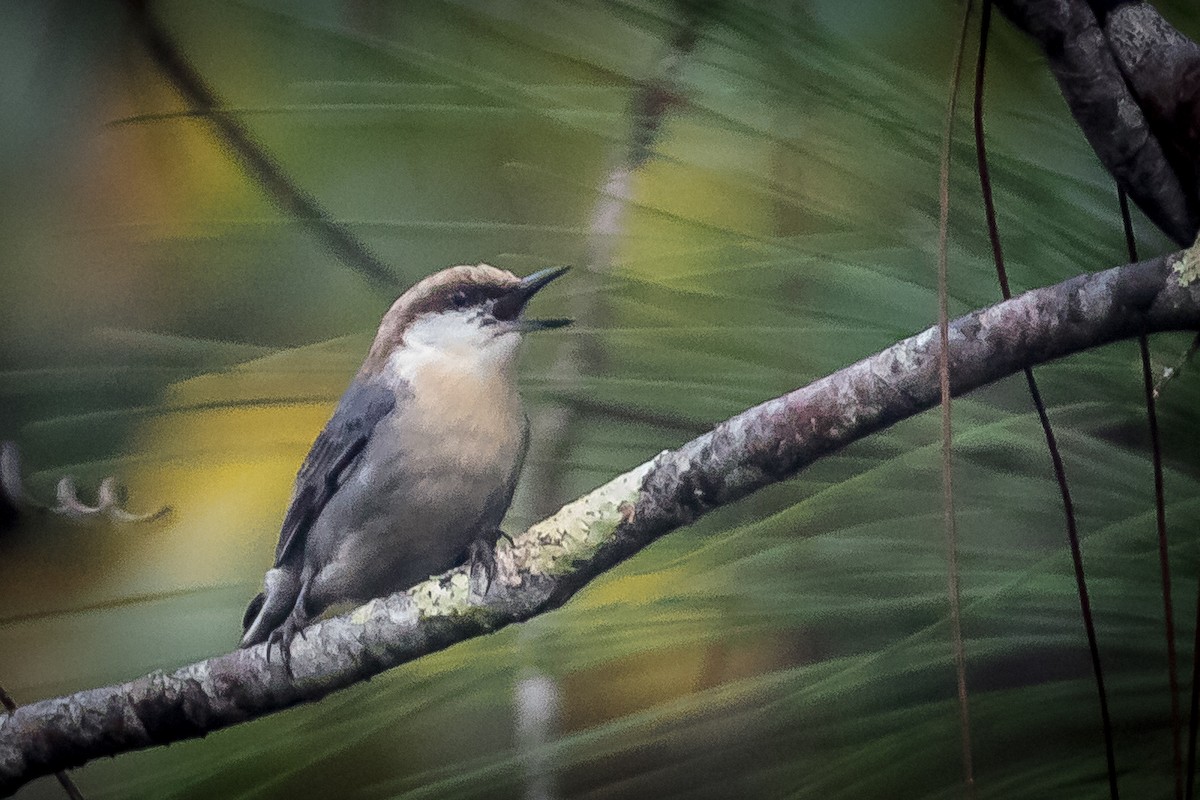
x=482, y=553
x=283, y=637
x=285, y=634
x=273, y=640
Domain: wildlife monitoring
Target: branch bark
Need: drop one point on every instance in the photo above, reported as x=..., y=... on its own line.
x=551, y=561
x=1089, y=68
x=1162, y=69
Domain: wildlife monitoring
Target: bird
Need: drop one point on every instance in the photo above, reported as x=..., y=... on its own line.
x=416, y=468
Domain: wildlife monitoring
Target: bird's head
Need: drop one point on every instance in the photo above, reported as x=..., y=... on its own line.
x=471, y=314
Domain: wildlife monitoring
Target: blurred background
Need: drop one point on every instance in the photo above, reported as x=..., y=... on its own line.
x=748, y=192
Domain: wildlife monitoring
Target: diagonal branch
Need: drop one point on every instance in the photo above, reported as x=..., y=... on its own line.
x=555, y=558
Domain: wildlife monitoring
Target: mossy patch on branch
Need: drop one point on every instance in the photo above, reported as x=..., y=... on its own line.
x=574, y=533
x=1186, y=265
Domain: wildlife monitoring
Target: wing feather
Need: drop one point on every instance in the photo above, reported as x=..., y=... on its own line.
x=337, y=446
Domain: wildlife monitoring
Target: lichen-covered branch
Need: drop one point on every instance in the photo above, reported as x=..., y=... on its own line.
x=548, y=563
x=1108, y=112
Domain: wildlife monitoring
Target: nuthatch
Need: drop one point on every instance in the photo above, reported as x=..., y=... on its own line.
x=417, y=466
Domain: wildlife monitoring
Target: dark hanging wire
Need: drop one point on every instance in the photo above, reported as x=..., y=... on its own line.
x=1194, y=717
x=1060, y=473
x=1160, y=514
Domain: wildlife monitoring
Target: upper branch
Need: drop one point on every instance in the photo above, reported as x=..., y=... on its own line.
x=551, y=561
x=1111, y=82
x=1162, y=68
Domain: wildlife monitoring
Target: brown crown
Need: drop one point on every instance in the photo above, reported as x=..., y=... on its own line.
x=454, y=287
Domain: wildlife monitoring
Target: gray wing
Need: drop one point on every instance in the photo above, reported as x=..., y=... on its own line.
x=336, y=448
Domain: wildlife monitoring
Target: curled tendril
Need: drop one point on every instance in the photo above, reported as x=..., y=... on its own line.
x=68, y=504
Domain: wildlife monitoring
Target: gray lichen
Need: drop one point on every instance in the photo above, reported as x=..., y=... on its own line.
x=444, y=595
x=1186, y=265
x=572, y=534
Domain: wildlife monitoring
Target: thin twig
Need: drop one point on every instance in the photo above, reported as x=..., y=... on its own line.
x=257, y=163
x=14, y=499
x=953, y=586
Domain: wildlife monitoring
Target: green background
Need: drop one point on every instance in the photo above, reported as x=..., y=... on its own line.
x=164, y=322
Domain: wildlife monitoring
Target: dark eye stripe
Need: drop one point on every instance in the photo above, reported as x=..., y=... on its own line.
x=459, y=298
x=472, y=296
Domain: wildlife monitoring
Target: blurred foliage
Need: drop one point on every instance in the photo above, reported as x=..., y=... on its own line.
x=162, y=321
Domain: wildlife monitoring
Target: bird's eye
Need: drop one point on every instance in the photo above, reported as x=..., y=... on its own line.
x=460, y=299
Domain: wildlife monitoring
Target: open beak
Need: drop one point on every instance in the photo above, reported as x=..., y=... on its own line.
x=509, y=307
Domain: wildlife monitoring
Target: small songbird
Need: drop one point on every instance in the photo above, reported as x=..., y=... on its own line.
x=417, y=466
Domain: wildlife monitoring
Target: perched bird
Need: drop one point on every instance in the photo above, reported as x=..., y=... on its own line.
x=417, y=466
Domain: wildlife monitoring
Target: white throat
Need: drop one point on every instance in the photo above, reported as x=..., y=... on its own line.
x=453, y=341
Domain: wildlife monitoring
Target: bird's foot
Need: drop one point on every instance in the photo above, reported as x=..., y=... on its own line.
x=283, y=637
x=481, y=554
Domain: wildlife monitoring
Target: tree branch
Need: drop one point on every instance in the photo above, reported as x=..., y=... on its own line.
x=1082, y=59
x=553, y=559
x=1162, y=68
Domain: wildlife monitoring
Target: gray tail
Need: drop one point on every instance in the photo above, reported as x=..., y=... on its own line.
x=252, y=611
x=268, y=610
